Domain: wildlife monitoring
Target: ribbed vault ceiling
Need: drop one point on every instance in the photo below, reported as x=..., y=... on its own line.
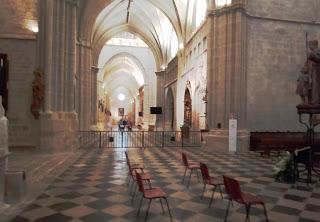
x=163, y=24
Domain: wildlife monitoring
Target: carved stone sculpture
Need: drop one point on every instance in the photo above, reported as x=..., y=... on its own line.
x=314, y=70
x=308, y=85
x=304, y=85
x=37, y=93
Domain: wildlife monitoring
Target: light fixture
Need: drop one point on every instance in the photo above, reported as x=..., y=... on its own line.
x=32, y=25
x=121, y=97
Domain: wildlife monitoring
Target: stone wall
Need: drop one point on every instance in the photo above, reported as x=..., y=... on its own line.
x=23, y=128
x=307, y=10
x=17, y=15
x=17, y=40
x=193, y=69
x=276, y=53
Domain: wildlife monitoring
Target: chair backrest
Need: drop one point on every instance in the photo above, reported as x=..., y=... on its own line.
x=232, y=188
x=127, y=157
x=128, y=163
x=204, y=172
x=184, y=159
x=139, y=182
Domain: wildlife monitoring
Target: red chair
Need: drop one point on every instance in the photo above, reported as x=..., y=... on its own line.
x=133, y=166
x=146, y=177
x=207, y=180
x=234, y=193
x=189, y=166
x=150, y=194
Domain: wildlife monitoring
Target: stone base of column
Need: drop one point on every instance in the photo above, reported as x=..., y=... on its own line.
x=218, y=140
x=59, y=132
x=3, y=167
x=3, y=151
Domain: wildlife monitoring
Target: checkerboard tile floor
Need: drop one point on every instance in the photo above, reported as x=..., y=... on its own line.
x=94, y=189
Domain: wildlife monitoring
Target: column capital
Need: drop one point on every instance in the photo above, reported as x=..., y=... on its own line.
x=95, y=69
x=84, y=43
x=160, y=73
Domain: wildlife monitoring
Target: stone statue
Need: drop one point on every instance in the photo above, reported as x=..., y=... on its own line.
x=37, y=93
x=314, y=71
x=304, y=85
x=308, y=83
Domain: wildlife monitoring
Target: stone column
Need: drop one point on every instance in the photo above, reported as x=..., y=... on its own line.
x=57, y=35
x=94, y=100
x=160, y=97
x=72, y=58
x=227, y=59
x=3, y=148
x=85, y=84
x=45, y=34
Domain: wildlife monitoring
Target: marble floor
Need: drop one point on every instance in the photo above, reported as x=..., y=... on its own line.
x=94, y=189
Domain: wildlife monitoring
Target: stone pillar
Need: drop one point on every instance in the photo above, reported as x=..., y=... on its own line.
x=227, y=59
x=57, y=49
x=160, y=97
x=72, y=58
x=94, y=99
x=85, y=85
x=3, y=148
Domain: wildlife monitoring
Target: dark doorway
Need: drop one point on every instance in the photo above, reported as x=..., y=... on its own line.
x=4, y=69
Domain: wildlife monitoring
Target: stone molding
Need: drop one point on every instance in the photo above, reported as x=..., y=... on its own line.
x=30, y=36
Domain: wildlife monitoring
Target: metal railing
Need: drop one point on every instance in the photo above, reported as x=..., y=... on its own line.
x=139, y=139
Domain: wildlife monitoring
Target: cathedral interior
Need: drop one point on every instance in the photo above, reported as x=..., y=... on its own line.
x=211, y=106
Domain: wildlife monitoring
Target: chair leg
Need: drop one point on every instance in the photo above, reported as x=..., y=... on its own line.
x=198, y=175
x=227, y=211
x=168, y=209
x=213, y=191
x=134, y=193
x=133, y=186
x=161, y=205
x=248, y=212
x=220, y=191
x=130, y=186
x=189, y=177
x=140, y=205
x=145, y=219
x=185, y=172
x=128, y=177
x=265, y=212
x=204, y=189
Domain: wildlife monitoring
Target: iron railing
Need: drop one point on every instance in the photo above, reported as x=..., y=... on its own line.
x=139, y=139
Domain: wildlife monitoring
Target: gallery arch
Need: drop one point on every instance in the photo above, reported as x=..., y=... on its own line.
x=127, y=65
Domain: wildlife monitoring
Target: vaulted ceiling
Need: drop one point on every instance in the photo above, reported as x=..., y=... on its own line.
x=164, y=25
